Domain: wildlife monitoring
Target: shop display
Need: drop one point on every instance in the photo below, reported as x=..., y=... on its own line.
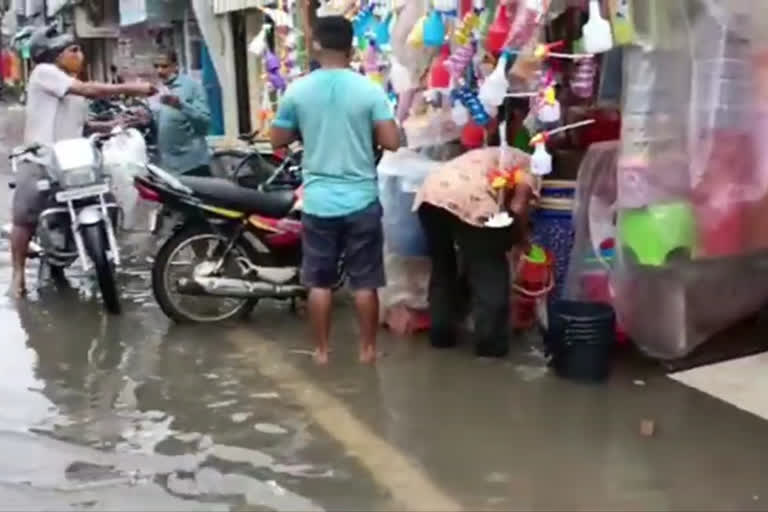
x=686, y=191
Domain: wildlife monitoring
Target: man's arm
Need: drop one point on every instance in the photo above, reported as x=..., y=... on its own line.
x=194, y=105
x=196, y=109
x=285, y=127
x=102, y=90
x=385, y=129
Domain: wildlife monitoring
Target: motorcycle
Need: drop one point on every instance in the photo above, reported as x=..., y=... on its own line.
x=235, y=246
x=81, y=219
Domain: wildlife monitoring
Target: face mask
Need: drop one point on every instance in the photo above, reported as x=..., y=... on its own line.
x=71, y=61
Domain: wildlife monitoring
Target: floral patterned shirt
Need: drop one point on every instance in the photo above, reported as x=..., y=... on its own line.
x=461, y=186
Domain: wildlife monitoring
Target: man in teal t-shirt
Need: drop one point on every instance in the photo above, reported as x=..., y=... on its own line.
x=340, y=116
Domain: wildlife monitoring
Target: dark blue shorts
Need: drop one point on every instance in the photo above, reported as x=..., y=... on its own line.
x=357, y=237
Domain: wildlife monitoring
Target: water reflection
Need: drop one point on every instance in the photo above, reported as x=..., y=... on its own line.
x=157, y=405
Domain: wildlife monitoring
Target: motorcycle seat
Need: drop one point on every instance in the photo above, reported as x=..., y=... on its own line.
x=226, y=194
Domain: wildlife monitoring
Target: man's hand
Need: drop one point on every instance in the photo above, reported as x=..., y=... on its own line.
x=171, y=101
x=144, y=89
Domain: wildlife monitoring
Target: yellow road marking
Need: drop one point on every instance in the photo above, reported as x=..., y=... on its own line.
x=410, y=486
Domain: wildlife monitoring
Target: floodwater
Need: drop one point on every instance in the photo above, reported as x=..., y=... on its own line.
x=131, y=412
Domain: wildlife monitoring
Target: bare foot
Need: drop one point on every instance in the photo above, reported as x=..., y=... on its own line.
x=18, y=287
x=321, y=356
x=368, y=354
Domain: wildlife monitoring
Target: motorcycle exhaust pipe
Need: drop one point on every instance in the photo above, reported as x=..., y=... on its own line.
x=237, y=288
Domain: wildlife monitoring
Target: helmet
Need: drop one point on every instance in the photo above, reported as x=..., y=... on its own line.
x=47, y=43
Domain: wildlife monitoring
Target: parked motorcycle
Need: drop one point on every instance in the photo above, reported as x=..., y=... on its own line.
x=236, y=245
x=82, y=217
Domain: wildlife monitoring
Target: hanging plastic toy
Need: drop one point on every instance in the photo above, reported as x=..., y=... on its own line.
x=291, y=68
x=583, y=81
x=258, y=45
x=371, y=64
x=434, y=30
x=459, y=114
x=498, y=31
x=447, y=7
x=439, y=76
x=462, y=35
x=597, y=31
x=472, y=103
x=527, y=22
x=495, y=87
x=265, y=112
x=382, y=32
x=272, y=65
x=416, y=36
x=541, y=160
x=363, y=21
x=461, y=58
x=549, y=110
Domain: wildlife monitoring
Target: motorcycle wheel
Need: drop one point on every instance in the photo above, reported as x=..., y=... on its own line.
x=162, y=281
x=97, y=247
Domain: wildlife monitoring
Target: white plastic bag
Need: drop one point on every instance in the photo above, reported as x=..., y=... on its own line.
x=125, y=156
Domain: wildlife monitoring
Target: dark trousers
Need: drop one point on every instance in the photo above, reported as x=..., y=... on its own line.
x=483, y=254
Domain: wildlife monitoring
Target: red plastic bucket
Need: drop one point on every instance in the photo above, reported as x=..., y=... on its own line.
x=534, y=281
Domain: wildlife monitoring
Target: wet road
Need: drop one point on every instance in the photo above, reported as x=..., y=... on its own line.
x=103, y=413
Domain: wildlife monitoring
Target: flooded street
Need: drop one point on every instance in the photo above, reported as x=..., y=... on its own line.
x=132, y=412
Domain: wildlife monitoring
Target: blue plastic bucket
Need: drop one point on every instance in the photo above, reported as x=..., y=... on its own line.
x=581, y=338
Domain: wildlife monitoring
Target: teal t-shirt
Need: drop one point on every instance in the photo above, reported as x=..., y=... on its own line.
x=335, y=110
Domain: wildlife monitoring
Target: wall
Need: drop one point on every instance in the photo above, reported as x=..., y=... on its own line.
x=254, y=21
x=217, y=32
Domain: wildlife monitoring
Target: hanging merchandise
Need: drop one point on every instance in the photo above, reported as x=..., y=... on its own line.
x=473, y=136
x=447, y=7
x=382, y=32
x=459, y=60
x=541, y=160
x=371, y=63
x=363, y=22
x=498, y=31
x=597, y=31
x=549, y=110
x=439, y=76
x=470, y=100
x=416, y=36
x=502, y=180
x=527, y=22
x=434, y=30
x=459, y=114
x=623, y=24
x=290, y=67
x=583, y=80
x=272, y=65
x=265, y=111
x=495, y=87
x=462, y=35
x=259, y=43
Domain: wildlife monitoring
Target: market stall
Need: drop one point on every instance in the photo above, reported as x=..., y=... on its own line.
x=642, y=128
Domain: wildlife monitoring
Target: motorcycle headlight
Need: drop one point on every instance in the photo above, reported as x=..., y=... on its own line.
x=78, y=177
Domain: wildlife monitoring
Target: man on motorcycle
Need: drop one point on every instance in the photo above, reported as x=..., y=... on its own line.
x=55, y=111
x=183, y=119
x=340, y=116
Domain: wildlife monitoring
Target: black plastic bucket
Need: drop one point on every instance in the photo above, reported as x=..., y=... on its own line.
x=581, y=339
